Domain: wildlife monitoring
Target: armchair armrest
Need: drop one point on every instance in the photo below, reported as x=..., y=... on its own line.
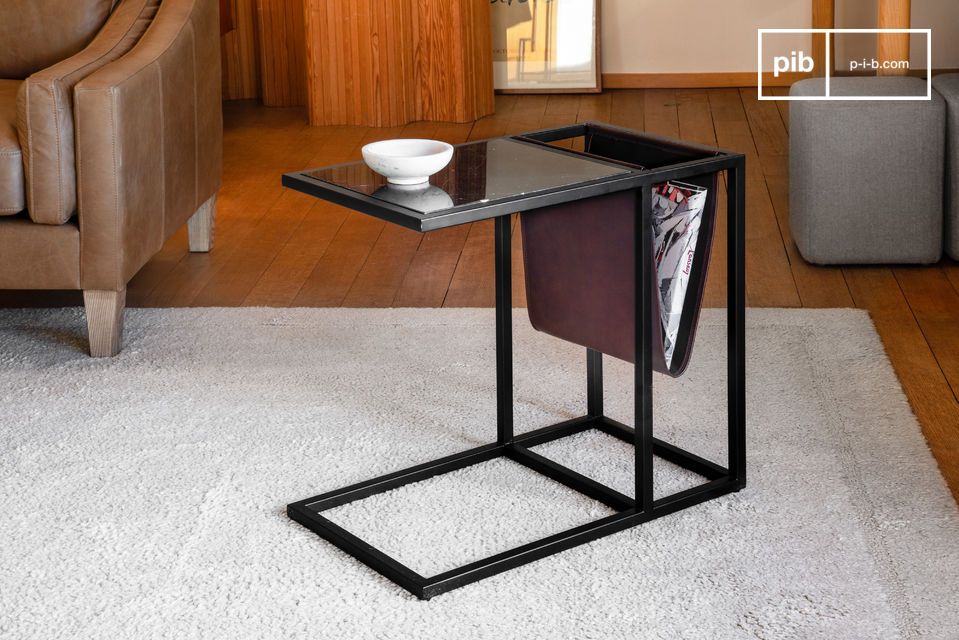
x=45, y=113
x=149, y=142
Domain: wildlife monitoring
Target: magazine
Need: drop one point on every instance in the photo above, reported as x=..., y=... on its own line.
x=677, y=214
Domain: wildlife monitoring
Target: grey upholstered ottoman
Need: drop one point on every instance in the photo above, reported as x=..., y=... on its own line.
x=866, y=177
x=948, y=86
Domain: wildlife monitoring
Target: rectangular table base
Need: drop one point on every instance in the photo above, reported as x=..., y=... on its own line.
x=309, y=512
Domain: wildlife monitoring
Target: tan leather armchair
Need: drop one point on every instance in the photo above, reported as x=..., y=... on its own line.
x=110, y=139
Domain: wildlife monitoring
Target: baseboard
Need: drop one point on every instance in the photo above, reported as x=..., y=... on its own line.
x=696, y=80
x=915, y=73
x=714, y=80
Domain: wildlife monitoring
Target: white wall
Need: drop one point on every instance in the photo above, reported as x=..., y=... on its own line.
x=689, y=36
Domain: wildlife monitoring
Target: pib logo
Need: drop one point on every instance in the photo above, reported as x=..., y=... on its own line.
x=796, y=61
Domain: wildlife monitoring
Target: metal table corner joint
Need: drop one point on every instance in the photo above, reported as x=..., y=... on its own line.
x=354, y=186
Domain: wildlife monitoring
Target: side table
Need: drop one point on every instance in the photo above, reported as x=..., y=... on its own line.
x=492, y=179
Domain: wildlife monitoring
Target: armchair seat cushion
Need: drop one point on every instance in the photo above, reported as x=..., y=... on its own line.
x=38, y=256
x=12, y=191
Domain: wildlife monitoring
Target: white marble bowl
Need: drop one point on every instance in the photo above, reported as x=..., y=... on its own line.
x=407, y=161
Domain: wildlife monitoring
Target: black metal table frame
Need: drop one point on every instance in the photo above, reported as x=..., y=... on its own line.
x=719, y=480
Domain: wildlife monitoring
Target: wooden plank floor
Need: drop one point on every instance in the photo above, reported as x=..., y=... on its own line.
x=281, y=248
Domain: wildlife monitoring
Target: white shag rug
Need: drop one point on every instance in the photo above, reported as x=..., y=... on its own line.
x=144, y=496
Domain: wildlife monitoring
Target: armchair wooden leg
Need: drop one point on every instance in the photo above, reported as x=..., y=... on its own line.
x=200, y=227
x=105, y=321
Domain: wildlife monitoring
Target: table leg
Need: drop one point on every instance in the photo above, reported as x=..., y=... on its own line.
x=594, y=383
x=504, y=332
x=736, y=320
x=643, y=370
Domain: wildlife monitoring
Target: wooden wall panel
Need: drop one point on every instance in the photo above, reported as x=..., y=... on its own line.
x=367, y=62
x=452, y=60
x=282, y=52
x=385, y=63
x=226, y=17
x=823, y=17
x=239, y=53
x=893, y=14
x=356, y=67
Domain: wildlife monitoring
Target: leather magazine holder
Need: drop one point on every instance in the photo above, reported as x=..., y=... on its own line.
x=580, y=276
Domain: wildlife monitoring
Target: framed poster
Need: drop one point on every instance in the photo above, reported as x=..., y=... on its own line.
x=546, y=46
